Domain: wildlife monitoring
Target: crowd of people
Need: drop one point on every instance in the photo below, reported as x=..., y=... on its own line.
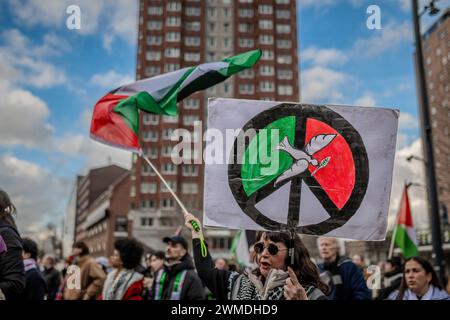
x=282, y=270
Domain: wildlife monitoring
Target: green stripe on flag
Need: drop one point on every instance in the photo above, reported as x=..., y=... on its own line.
x=404, y=242
x=254, y=171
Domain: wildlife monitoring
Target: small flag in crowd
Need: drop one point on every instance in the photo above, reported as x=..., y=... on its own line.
x=404, y=233
x=115, y=120
x=239, y=248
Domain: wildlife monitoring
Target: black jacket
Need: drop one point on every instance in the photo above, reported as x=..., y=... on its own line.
x=192, y=287
x=35, y=286
x=12, y=271
x=53, y=280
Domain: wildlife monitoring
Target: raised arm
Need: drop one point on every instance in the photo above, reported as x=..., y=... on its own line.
x=216, y=280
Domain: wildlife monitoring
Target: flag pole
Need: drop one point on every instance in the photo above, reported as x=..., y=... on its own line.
x=185, y=212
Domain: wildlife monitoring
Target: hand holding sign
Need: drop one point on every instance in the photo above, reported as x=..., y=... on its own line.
x=293, y=290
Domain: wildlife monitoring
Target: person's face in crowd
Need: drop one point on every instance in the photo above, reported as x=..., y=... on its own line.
x=156, y=263
x=147, y=260
x=221, y=264
x=328, y=249
x=25, y=255
x=174, y=251
x=357, y=260
x=115, y=260
x=267, y=261
x=48, y=262
x=416, y=278
x=388, y=267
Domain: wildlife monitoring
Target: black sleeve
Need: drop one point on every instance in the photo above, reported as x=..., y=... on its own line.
x=12, y=272
x=194, y=289
x=216, y=280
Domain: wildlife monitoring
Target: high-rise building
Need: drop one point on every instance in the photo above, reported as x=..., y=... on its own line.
x=179, y=33
x=436, y=55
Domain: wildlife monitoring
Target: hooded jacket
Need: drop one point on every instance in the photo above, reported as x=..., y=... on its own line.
x=12, y=270
x=182, y=275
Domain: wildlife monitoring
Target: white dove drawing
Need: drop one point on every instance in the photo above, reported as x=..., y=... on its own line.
x=303, y=157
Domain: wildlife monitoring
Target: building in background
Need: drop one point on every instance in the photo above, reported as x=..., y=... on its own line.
x=436, y=53
x=102, y=205
x=68, y=231
x=179, y=33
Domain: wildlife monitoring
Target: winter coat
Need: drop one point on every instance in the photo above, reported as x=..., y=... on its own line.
x=35, y=286
x=128, y=285
x=230, y=285
x=190, y=287
x=53, y=280
x=345, y=280
x=433, y=293
x=12, y=272
x=92, y=279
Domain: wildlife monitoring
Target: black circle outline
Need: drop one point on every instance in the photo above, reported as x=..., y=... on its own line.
x=338, y=218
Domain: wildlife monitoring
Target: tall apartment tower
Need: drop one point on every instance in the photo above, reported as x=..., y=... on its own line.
x=436, y=48
x=180, y=33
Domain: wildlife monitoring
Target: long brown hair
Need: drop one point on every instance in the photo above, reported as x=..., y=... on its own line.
x=428, y=269
x=305, y=270
x=7, y=209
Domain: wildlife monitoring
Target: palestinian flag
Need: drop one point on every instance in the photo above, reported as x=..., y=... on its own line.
x=115, y=120
x=404, y=234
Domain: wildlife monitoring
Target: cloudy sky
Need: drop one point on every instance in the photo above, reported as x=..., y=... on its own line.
x=50, y=78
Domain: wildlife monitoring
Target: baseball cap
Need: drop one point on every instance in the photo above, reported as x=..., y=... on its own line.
x=177, y=239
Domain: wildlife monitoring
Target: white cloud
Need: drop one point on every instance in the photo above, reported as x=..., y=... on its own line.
x=23, y=119
x=407, y=121
x=94, y=153
x=322, y=85
x=111, y=79
x=24, y=60
x=34, y=190
x=410, y=172
x=323, y=57
x=366, y=100
x=391, y=36
x=118, y=18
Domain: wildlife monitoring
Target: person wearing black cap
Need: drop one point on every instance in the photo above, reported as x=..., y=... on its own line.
x=393, y=273
x=177, y=280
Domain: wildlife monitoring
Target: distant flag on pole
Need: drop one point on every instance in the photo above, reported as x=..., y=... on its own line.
x=239, y=248
x=115, y=119
x=404, y=233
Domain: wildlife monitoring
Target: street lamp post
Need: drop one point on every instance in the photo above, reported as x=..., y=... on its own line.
x=433, y=202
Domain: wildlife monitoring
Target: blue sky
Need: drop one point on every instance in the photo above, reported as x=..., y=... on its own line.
x=50, y=78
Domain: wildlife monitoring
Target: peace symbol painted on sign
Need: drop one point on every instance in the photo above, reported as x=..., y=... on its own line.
x=322, y=150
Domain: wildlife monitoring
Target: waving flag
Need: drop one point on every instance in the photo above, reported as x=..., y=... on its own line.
x=404, y=234
x=115, y=120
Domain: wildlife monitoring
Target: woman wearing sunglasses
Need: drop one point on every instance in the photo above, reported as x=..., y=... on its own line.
x=273, y=279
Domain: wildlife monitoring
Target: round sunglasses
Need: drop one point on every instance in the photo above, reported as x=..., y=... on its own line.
x=271, y=248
